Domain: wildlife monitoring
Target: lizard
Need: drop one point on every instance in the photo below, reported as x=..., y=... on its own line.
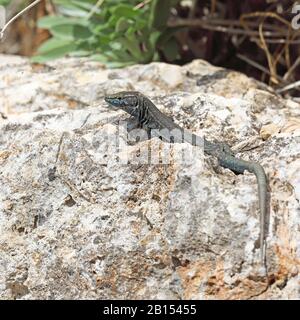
x=146, y=115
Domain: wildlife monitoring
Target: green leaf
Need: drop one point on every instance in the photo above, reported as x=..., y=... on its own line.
x=51, y=21
x=85, y=5
x=140, y=23
x=75, y=8
x=55, y=50
x=117, y=32
x=130, y=31
x=70, y=31
x=79, y=53
x=99, y=57
x=170, y=50
x=52, y=44
x=132, y=46
x=154, y=36
x=159, y=14
x=124, y=10
x=116, y=46
x=167, y=35
x=103, y=40
x=112, y=21
x=4, y=2
x=156, y=57
x=122, y=55
x=122, y=25
x=110, y=58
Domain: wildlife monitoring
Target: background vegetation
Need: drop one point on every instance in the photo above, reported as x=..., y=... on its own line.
x=252, y=36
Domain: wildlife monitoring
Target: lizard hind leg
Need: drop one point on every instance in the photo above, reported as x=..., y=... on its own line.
x=227, y=159
x=239, y=166
x=226, y=148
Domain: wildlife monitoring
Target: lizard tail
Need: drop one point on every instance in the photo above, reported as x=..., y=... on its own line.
x=262, y=183
x=239, y=166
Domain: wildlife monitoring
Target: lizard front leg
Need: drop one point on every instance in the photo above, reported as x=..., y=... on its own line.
x=136, y=132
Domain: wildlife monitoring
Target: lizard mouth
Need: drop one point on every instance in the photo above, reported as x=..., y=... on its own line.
x=113, y=101
x=108, y=99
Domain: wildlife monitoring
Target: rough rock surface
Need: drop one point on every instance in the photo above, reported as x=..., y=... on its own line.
x=77, y=220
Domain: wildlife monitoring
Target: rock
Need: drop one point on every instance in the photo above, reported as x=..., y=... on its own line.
x=84, y=215
x=292, y=126
x=269, y=130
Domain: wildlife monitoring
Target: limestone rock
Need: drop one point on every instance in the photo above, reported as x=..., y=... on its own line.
x=84, y=215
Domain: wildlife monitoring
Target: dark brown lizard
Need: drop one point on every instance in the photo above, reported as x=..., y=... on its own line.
x=148, y=116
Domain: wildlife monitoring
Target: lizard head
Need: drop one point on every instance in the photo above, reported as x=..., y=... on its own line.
x=126, y=100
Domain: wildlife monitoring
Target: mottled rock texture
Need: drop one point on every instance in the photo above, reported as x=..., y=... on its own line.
x=77, y=220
